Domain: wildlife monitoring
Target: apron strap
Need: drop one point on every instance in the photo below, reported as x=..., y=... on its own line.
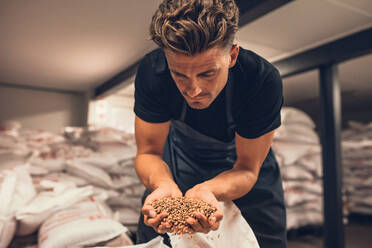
x=228, y=98
x=183, y=113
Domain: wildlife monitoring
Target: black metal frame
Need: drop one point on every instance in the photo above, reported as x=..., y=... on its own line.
x=39, y=88
x=251, y=10
x=346, y=48
x=117, y=80
x=330, y=101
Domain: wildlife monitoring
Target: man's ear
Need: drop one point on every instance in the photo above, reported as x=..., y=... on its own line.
x=233, y=55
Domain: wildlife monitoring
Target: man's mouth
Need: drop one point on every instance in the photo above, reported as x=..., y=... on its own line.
x=197, y=98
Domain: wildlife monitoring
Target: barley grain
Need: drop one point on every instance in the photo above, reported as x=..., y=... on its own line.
x=179, y=209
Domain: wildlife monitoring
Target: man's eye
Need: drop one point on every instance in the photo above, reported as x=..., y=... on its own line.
x=178, y=75
x=211, y=74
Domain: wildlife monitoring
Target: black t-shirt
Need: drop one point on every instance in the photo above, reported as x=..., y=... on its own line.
x=256, y=97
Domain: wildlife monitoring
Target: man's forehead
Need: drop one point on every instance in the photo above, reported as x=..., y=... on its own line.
x=180, y=66
x=208, y=60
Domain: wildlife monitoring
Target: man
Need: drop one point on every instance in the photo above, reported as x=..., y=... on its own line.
x=206, y=111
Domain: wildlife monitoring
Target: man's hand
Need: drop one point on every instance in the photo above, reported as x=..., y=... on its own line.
x=201, y=223
x=151, y=218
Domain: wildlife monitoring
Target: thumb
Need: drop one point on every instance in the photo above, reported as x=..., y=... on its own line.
x=149, y=211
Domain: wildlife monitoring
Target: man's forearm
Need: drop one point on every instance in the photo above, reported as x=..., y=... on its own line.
x=231, y=184
x=153, y=171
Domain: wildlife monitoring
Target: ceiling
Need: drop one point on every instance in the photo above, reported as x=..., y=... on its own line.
x=71, y=45
x=78, y=45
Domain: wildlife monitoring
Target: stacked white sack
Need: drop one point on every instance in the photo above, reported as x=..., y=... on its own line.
x=16, y=191
x=106, y=162
x=88, y=222
x=357, y=165
x=297, y=149
x=111, y=167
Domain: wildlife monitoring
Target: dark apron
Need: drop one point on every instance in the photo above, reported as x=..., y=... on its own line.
x=194, y=158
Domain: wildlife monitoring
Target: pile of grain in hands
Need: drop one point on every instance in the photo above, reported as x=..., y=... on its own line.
x=179, y=209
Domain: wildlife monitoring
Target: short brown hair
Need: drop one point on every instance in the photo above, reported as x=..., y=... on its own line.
x=193, y=26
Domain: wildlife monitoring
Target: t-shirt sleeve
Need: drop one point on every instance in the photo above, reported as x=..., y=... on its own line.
x=149, y=98
x=261, y=114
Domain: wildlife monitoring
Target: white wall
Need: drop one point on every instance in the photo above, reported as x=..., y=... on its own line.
x=37, y=108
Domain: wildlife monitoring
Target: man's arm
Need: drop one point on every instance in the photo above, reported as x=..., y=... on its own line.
x=235, y=183
x=153, y=171
x=150, y=139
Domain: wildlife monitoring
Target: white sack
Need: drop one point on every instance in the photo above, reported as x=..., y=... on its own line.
x=59, y=177
x=293, y=197
x=292, y=151
x=134, y=190
x=127, y=215
x=365, y=200
x=7, y=231
x=291, y=115
x=52, y=165
x=90, y=173
x=154, y=243
x=313, y=163
x=362, y=209
x=124, y=181
x=84, y=224
x=358, y=182
x=295, y=172
x=122, y=240
x=296, y=133
x=120, y=151
x=234, y=231
x=312, y=187
x=37, y=171
x=123, y=200
x=46, y=203
x=109, y=193
x=16, y=190
x=99, y=160
x=296, y=219
x=11, y=159
x=124, y=167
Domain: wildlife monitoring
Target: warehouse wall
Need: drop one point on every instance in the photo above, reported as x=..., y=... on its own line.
x=44, y=109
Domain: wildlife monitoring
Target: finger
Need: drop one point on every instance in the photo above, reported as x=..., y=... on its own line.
x=188, y=230
x=212, y=220
x=218, y=215
x=215, y=226
x=195, y=225
x=157, y=220
x=203, y=220
x=164, y=228
x=146, y=220
x=166, y=224
x=215, y=220
x=149, y=211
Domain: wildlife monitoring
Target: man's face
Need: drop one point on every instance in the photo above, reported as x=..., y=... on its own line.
x=201, y=77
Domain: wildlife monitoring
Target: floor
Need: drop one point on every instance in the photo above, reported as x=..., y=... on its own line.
x=358, y=234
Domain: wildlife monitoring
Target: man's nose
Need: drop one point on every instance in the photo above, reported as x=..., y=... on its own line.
x=193, y=90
